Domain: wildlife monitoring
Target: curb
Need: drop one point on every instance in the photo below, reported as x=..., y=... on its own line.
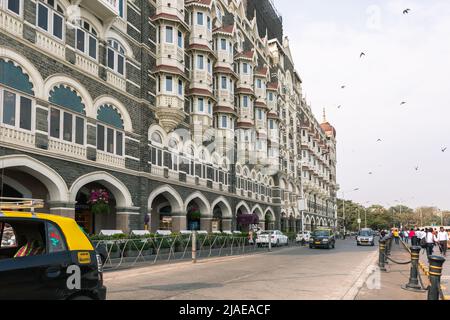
x=361, y=278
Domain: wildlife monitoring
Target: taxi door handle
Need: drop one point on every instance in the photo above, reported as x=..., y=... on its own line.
x=53, y=272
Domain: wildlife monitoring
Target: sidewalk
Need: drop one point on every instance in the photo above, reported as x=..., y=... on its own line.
x=392, y=280
x=445, y=279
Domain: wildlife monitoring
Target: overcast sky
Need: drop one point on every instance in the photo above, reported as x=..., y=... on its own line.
x=407, y=59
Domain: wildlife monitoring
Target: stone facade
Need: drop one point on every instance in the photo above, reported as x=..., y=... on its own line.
x=174, y=107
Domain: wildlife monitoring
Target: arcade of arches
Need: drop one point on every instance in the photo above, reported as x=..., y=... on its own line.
x=26, y=177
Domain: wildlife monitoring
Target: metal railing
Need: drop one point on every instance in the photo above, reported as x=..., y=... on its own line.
x=132, y=252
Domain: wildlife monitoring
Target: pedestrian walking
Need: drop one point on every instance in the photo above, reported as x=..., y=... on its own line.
x=406, y=236
x=396, y=236
x=442, y=238
x=431, y=240
x=383, y=234
x=413, y=237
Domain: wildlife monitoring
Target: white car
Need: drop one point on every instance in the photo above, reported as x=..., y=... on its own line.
x=303, y=236
x=277, y=238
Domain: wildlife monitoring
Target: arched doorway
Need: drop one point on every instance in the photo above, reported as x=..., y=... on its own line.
x=222, y=215
x=217, y=222
x=268, y=223
x=15, y=183
x=193, y=216
x=164, y=203
x=97, y=197
x=198, y=213
x=258, y=218
x=284, y=222
x=26, y=177
x=313, y=224
x=270, y=219
x=245, y=219
x=95, y=208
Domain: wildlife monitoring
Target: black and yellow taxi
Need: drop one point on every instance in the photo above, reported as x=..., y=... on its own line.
x=322, y=238
x=47, y=257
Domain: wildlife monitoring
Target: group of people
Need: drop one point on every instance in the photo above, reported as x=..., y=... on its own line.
x=428, y=238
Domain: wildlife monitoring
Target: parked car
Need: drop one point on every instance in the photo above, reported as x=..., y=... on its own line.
x=303, y=236
x=322, y=238
x=42, y=256
x=277, y=238
x=365, y=237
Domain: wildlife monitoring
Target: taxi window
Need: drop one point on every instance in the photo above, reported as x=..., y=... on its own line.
x=55, y=239
x=8, y=236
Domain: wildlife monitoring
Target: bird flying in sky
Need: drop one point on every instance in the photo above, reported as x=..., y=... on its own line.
x=406, y=11
x=444, y=149
x=362, y=54
x=403, y=103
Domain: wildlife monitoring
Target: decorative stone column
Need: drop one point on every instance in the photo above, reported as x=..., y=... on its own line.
x=206, y=224
x=179, y=222
x=64, y=209
x=226, y=224
x=262, y=224
x=123, y=218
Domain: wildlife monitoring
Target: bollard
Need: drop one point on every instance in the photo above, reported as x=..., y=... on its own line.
x=270, y=243
x=436, y=264
x=194, y=247
x=413, y=283
x=386, y=250
x=389, y=246
x=381, y=260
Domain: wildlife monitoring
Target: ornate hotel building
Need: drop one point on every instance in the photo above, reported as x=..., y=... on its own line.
x=189, y=112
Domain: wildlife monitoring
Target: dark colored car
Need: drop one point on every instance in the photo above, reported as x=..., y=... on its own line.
x=47, y=257
x=322, y=238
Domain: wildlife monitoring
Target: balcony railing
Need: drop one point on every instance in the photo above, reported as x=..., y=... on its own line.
x=50, y=45
x=110, y=159
x=15, y=136
x=10, y=23
x=67, y=148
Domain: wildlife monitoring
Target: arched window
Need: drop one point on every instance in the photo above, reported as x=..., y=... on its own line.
x=86, y=39
x=67, y=120
x=116, y=57
x=156, y=151
x=50, y=18
x=110, y=130
x=16, y=97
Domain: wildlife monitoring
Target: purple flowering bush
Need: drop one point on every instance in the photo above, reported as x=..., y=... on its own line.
x=99, y=201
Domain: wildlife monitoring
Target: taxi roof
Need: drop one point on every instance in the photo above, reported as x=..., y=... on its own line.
x=75, y=237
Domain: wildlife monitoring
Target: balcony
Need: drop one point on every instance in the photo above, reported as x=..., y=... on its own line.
x=170, y=111
x=106, y=10
x=110, y=159
x=11, y=24
x=67, y=148
x=17, y=137
x=51, y=45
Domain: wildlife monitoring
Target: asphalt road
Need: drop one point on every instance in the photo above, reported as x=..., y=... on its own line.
x=296, y=273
